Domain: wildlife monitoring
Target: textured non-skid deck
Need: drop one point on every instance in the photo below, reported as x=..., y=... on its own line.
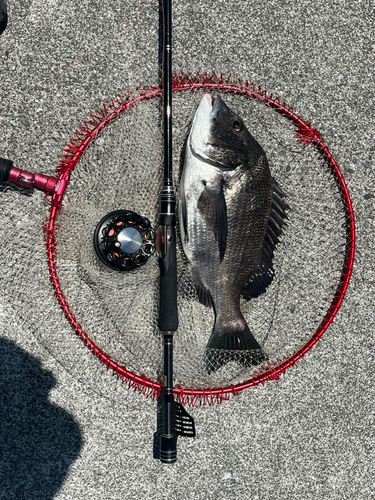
x=70, y=428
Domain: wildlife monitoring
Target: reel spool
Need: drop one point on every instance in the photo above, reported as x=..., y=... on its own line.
x=124, y=240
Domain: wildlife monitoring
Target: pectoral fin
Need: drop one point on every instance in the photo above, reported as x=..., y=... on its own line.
x=213, y=208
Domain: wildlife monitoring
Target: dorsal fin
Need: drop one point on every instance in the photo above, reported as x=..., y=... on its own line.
x=264, y=274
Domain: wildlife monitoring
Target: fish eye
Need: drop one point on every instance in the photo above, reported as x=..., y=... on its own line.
x=236, y=124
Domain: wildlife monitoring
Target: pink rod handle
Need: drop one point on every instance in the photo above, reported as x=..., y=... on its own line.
x=44, y=182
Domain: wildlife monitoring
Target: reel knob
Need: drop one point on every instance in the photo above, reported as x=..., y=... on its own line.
x=124, y=240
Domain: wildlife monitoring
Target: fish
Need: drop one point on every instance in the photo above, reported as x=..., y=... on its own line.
x=230, y=214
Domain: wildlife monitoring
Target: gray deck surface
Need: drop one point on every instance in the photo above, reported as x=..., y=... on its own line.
x=68, y=429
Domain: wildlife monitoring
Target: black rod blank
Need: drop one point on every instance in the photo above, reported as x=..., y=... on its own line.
x=167, y=87
x=168, y=318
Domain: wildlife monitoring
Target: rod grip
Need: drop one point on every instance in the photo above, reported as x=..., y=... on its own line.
x=168, y=317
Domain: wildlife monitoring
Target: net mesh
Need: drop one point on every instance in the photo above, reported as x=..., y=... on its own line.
x=123, y=169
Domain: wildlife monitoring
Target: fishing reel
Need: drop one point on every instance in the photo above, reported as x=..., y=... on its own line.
x=124, y=240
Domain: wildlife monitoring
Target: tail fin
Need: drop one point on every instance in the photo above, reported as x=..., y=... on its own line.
x=228, y=343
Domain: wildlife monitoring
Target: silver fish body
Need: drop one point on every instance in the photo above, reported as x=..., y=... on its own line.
x=226, y=198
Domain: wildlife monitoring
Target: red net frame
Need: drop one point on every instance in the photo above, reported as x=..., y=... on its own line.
x=78, y=145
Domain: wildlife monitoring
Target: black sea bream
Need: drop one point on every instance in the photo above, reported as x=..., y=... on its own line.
x=230, y=214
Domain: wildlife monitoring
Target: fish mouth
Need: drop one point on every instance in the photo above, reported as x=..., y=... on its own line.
x=208, y=107
x=216, y=104
x=211, y=103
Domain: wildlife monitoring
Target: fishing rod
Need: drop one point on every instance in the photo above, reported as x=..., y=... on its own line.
x=168, y=317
